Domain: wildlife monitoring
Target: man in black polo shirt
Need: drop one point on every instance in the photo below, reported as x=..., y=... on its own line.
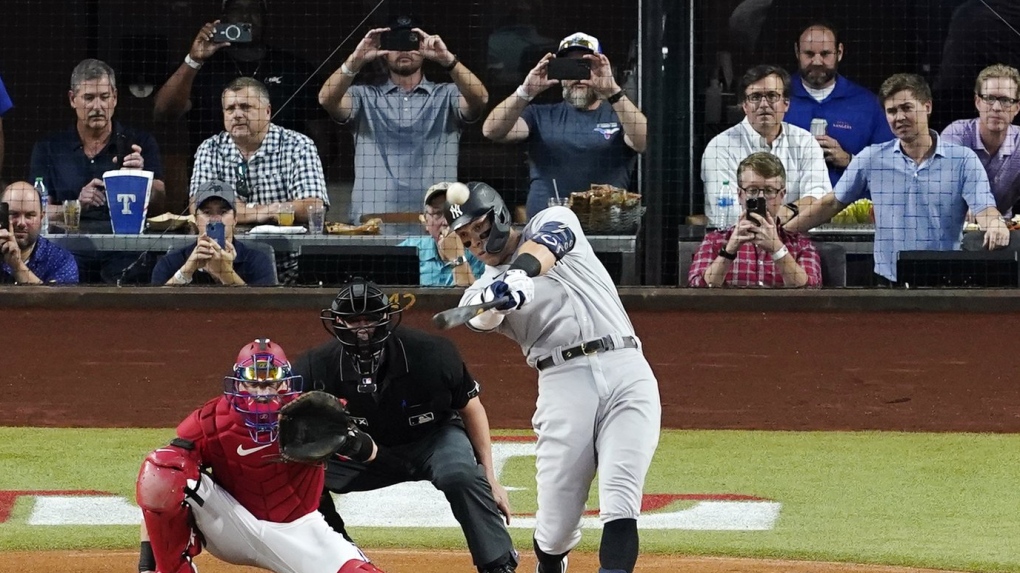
x=413, y=394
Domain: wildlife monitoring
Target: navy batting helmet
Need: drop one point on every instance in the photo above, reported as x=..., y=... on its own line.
x=361, y=318
x=483, y=201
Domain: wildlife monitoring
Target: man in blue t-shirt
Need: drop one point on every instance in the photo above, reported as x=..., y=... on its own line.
x=442, y=260
x=25, y=256
x=854, y=118
x=580, y=141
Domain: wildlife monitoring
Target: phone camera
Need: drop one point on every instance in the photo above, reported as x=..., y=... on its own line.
x=232, y=32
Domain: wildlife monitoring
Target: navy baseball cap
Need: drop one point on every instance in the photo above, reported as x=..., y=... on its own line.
x=579, y=41
x=215, y=189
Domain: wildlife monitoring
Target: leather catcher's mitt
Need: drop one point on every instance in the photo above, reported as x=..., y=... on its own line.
x=312, y=428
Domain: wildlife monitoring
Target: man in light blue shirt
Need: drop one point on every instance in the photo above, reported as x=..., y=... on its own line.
x=921, y=186
x=441, y=256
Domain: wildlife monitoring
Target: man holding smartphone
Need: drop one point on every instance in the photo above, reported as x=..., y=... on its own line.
x=407, y=129
x=28, y=258
x=592, y=136
x=757, y=251
x=215, y=258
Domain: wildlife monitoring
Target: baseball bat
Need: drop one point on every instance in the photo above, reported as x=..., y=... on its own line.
x=457, y=316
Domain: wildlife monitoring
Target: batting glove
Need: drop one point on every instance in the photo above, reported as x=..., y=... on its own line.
x=517, y=285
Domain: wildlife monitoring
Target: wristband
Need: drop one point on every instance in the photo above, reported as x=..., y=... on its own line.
x=347, y=71
x=452, y=65
x=146, y=559
x=192, y=63
x=528, y=263
x=180, y=279
x=521, y=93
x=780, y=253
x=615, y=97
x=726, y=254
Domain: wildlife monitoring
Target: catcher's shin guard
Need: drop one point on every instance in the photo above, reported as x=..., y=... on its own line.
x=160, y=491
x=359, y=566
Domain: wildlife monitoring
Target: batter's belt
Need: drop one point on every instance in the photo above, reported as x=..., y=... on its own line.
x=604, y=344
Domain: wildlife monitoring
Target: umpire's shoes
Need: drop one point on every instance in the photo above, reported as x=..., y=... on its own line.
x=562, y=569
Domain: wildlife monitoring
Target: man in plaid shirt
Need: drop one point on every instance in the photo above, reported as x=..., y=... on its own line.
x=757, y=251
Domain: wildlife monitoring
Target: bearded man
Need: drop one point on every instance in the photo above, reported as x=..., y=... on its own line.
x=407, y=129
x=592, y=136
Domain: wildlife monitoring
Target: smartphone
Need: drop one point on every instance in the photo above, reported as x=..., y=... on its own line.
x=5, y=216
x=239, y=33
x=568, y=69
x=755, y=205
x=399, y=41
x=123, y=147
x=216, y=232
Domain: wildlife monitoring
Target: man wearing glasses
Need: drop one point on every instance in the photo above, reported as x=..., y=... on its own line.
x=757, y=251
x=441, y=257
x=992, y=134
x=766, y=92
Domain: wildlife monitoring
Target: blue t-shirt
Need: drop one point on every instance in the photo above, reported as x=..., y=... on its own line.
x=576, y=148
x=431, y=268
x=52, y=263
x=854, y=115
x=254, y=267
x=5, y=100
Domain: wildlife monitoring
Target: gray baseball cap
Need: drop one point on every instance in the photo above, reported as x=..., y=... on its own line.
x=215, y=188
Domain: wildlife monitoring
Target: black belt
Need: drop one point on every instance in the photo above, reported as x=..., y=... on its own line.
x=603, y=344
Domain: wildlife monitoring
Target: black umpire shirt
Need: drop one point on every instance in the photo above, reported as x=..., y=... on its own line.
x=421, y=384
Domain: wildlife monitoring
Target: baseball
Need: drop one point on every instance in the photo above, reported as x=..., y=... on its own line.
x=458, y=194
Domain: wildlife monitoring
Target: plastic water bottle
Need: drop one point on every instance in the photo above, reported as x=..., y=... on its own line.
x=729, y=210
x=44, y=200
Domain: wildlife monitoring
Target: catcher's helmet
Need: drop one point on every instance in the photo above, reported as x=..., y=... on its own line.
x=483, y=201
x=362, y=318
x=260, y=383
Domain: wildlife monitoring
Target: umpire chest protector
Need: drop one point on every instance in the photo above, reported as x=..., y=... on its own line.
x=421, y=383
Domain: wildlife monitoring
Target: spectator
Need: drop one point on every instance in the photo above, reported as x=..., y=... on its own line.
x=406, y=130
x=992, y=135
x=5, y=106
x=412, y=393
x=196, y=86
x=270, y=166
x=855, y=118
x=441, y=256
x=72, y=162
x=921, y=187
x=766, y=94
x=756, y=251
x=592, y=136
x=206, y=262
x=27, y=257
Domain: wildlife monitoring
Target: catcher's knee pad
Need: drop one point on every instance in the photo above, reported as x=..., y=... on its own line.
x=359, y=566
x=161, y=489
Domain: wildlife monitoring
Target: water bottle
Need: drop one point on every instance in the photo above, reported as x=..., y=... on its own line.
x=44, y=200
x=728, y=209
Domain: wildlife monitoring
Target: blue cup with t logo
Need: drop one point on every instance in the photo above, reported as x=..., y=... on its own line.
x=127, y=195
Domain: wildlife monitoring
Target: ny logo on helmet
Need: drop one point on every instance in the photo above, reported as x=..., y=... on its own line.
x=456, y=211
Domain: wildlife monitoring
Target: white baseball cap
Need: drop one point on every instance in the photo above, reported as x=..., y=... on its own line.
x=579, y=41
x=440, y=187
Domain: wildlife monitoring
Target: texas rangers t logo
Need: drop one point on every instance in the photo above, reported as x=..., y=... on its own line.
x=125, y=200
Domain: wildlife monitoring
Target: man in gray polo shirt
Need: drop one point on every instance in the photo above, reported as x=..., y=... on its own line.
x=407, y=129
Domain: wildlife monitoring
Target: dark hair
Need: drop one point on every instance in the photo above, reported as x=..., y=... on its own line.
x=761, y=72
x=899, y=82
x=820, y=23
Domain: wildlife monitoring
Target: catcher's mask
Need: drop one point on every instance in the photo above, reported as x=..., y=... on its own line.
x=260, y=384
x=362, y=318
x=482, y=201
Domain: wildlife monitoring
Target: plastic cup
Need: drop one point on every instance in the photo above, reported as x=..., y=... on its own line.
x=72, y=215
x=559, y=201
x=286, y=216
x=316, y=219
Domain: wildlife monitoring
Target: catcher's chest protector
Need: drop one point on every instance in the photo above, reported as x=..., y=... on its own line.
x=251, y=472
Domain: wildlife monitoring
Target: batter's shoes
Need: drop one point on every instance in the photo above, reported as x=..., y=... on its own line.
x=563, y=567
x=508, y=568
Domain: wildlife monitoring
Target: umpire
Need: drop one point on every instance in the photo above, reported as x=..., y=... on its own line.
x=411, y=392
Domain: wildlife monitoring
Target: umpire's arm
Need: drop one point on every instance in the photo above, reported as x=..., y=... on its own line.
x=476, y=422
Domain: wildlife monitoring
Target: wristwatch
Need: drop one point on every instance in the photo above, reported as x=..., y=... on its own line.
x=726, y=254
x=456, y=262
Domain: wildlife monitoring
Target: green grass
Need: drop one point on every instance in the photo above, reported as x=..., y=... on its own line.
x=928, y=500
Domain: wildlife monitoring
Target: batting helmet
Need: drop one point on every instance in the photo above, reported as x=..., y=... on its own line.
x=483, y=201
x=362, y=318
x=260, y=383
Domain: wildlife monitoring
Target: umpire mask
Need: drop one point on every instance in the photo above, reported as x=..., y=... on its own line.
x=483, y=200
x=362, y=318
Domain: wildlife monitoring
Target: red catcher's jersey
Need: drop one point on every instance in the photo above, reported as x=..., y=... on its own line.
x=272, y=490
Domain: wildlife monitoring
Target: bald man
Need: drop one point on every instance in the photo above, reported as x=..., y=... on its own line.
x=27, y=257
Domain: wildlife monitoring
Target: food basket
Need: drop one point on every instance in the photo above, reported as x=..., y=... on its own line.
x=370, y=227
x=608, y=210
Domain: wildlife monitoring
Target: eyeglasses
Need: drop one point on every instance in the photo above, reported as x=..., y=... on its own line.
x=768, y=192
x=430, y=214
x=1001, y=100
x=756, y=97
x=243, y=185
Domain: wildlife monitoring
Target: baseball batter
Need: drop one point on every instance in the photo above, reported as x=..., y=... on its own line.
x=598, y=401
x=221, y=484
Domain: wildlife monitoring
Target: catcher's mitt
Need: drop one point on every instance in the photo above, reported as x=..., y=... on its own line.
x=312, y=428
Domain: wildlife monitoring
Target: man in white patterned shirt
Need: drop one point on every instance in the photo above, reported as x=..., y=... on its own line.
x=269, y=166
x=766, y=97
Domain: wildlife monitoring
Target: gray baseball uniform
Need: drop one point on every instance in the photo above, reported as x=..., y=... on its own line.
x=595, y=412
